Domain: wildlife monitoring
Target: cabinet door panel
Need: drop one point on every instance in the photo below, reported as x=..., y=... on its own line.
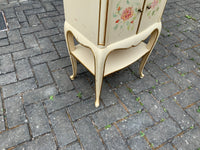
x=152, y=13
x=123, y=19
x=84, y=16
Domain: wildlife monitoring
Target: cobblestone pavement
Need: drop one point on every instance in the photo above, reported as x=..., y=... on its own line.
x=39, y=106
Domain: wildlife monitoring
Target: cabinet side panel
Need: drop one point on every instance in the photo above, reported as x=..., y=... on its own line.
x=152, y=13
x=123, y=19
x=84, y=16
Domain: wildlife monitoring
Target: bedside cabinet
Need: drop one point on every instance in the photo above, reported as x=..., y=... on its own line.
x=111, y=34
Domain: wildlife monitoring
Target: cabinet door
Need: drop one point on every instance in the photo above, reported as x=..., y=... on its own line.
x=152, y=13
x=123, y=19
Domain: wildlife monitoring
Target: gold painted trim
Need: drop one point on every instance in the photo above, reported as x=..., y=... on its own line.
x=99, y=22
x=141, y=16
x=105, y=25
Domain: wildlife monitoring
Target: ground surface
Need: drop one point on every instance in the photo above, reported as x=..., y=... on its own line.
x=39, y=106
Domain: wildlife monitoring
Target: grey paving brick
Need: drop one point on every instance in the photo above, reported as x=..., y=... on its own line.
x=38, y=121
x=193, y=112
x=107, y=95
x=6, y=64
x=9, y=12
x=33, y=20
x=128, y=99
x=21, y=16
x=12, y=48
x=61, y=101
x=48, y=23
x=2, y=125
x=3, y=35
x=186, y=66
x=48, y=14
x=26, y=53
x=178, y=114
x=62, y=80
x=59, y=64
x=23, y=69
x=80, y=69
x=62, y=48
x=187, y=97
x=44, y=58
x=166, y=61
x=142, y=84
x=34, y=11
x=32, y=29
x=48, y=6
x=165, y=90
x=178, y=77
x=14, y=36
x=121, y=77
x=42, y=75
x=18, y=87
x=109, y=115
x=14, y=137
x=113, y=140
x=153, y=106
x=80, y=82
x=162, y=132
x=14, y=111
x=75, y=146
x=30, y=41
x=167, y=147
x=190, y=140
x=46, y=45
x=135, y=124
x=13, y=24
x=8, y=78
x=58, y=37
x=39, y=94
x=46, y=33
x=62, y=128
x=156, y=72
x=138, y=143
x=82, y=109
x=4, y=42
x=42, y=143
x=88, y=135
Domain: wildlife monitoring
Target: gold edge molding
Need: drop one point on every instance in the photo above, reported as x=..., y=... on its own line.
x=105, y=25
x=98, y=42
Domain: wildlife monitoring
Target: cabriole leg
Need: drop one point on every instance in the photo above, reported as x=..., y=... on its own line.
x=71, y=47
x=150, y=45
x=99, y=74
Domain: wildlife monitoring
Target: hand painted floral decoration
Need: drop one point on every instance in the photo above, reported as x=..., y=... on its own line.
x=125, y=16
x=154, y=8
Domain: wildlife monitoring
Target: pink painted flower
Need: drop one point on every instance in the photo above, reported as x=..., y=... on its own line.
x=127, y=13
x=154, y=4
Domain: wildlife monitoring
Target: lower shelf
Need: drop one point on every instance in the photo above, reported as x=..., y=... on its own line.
x=116, y=60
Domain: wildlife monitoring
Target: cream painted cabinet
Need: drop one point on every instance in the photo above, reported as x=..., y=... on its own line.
x=111, y=34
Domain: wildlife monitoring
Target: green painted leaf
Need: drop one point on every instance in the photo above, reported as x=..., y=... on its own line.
x=114, y=15
x=157, y=9
x=116, y=26
x=153, y=12
x=127, y=1
x=149, y=13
